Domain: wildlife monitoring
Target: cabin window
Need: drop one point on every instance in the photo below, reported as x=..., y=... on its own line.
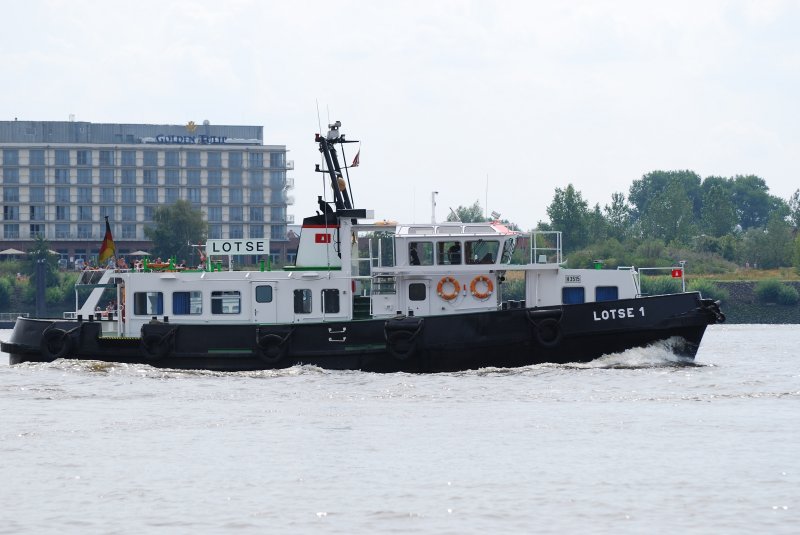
x=330, y=301
x=417, y=291
x=302, y=301
x=449, y=252
x=263, y=294
x=420, y=253
x=148, y=303
x=572, y=295
x=606, y=293
x=481, y=251
x=508, y=250
x=187, y=303
x=226, y=302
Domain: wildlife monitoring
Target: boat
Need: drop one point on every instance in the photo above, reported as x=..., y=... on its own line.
x=377, y=296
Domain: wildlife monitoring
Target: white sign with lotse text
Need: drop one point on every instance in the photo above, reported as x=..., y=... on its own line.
x=236, y=247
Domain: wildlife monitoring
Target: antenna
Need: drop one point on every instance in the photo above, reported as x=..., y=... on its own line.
x=433, y=206
x=455, y=215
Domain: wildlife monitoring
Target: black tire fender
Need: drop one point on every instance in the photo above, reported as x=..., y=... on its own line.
x=548, y=332
x=272, y=348
x=155, y=346
x=56, y=343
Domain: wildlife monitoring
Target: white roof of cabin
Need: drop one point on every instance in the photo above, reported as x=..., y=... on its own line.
x=455, y=229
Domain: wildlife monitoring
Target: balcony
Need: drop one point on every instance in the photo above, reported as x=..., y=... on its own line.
x=289, y=183
x=290, y=164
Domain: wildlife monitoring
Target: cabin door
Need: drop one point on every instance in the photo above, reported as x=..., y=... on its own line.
x=265, y=306
x=417, y=294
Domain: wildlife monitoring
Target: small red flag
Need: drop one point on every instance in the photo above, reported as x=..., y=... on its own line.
x=322, y=238
x=677, y=273
x=357, y=159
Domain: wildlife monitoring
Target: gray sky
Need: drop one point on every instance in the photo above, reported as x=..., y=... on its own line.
x=532, y=94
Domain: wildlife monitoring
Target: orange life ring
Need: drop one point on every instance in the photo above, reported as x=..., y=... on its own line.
x=489, y=287
x=450, y=295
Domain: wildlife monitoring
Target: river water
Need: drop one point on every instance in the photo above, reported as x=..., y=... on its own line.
x=640, y=442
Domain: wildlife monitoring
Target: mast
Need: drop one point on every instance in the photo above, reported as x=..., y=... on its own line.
x=338, y=183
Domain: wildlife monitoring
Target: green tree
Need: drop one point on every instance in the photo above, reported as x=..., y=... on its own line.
x=467, y=214
x=794, y=208
x=718, y=214
x=647, y=190
x=618, y=216
x=772, y=247
x=598, y=225
x=40, y=250
x=796, y=257
x=753, y=203
x=174, y=228
x=569, y=213
x=669, y=215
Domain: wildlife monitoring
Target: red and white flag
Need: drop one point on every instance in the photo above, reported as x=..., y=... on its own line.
x=356, y=160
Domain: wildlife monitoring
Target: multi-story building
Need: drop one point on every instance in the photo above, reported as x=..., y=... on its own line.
x=59, y=179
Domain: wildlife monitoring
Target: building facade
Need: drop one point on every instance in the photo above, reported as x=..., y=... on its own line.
x=59, y=179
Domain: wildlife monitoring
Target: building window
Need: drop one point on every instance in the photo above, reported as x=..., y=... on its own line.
x=62, y=213
x=84, y=176
x=151, y=195
x=11, y=176
x=255, y=160
x=235, y=160
x=150, y=177
x=36, y=230
x=172, y=195
x=149, y=213
x=106, y=176
x=11, y=231
x=256, y=178
x=172, y=158
x=11, y=194
x=214, y=159
x=420, y=253
x=277, y=179
x=193, y=177
x=36, y=194
x=129, y=231
x=129, y=177
x=11, y=213
x=173, y=177
x=235, y=213
x=215, y=232
x=235, y=195
x=62, y=176
x=108, y=211
x=84, y=230
x=236, y=232
x=84, y=194
x=278, y=232
x=62, y=230
x=572, y=295
x=214, y=195
x=302, y=301
x=36, y=156
x=192, y=159
x=226, y=302
x=84, y=157
x=330, y=301
x=263, y=294
x=128, y=158
x=234, y=178
x=606, y=293
x=277, y=159
x=214, y=177
x=84, y=213
x=215, y=213
x=256, y=196
x=148, y=303
x=150, y=158
x=10, y=157
x=256, y=231
x=128, y=213
x=193, y=195
x=37, y=175
x=187, y=303
x=62, y=157
x=106, y=157
x=256, y=213
x=62, y=195
x=128, y=195
x=36, y=213
x=106, y=194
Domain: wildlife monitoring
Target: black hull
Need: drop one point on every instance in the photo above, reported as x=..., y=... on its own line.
x=503, y=339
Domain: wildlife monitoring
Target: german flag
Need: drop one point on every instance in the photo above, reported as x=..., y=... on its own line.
x=108, y=249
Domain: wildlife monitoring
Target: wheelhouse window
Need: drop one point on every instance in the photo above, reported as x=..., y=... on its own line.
x=573, y=295
x=226, y=302
x=148, y=303
x=449, y=252
x=481, y=251
x=302, y=301
x=417, y=291
x=330, y=301
x=263, y=294
x=508, y=250
x=187, y=303
x=606, y=293
x=420, y=253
